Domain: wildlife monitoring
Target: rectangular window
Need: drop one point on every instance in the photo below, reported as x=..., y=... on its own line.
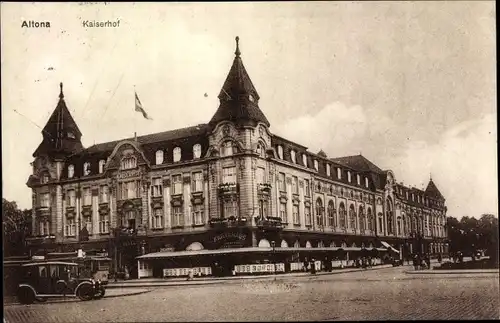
x=157, y=218
x=307, y=189
x=230, y=209
x=307, y=214
x=157, y=187
x=295, y=185
x=263, y=209
x=281, y=182
x=87, y=196
x=103, y=194
x=44, y=228
x=129, y=190
x=178, y=216
x=104, y=223
x=328, y=170
x=229, y=175
x=339, y=173
x=197, y=214
x=295, y=211
x=45, y=200
x=87, y=222
x=176, y=184
x=71, y=198
x=260, y=175
x=348, y=176
x=70, y=228
x=366, y=181
x=197, y=182
x=283, y=215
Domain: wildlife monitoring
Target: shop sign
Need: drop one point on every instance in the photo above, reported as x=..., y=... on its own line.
x=129, y=173
x=230, y=239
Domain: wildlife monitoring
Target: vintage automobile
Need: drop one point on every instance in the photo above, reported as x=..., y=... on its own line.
x=55, y=279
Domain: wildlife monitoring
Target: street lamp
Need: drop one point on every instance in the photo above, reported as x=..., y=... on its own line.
x=273, y=244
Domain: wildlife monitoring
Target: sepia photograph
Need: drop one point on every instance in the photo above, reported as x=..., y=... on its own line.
x=249, y=161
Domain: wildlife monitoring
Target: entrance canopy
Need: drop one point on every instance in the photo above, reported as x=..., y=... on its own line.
x=206, y=252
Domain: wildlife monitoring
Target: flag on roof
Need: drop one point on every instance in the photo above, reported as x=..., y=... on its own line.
x=139, y=108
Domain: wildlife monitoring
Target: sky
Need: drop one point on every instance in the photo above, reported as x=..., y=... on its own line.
x=409, y=85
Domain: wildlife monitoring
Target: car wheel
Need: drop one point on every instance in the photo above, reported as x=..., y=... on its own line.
x=25, y=295
x=85, y=292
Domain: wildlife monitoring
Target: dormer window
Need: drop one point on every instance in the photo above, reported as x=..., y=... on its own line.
x=349, y=176
x=45, y=178
x=304, y=159
x=177, y=154
x=196, y=151
x=366, y=181
x=102, y=162
x=260, y=150
x=228, y=148
x=358, y=179
x=71, y=135
x=86, y=169
x=159, y=157
x=293, y=156
x=339, y=173
x=327, y=169
x=280, y=152
x=129, y=162
x=316, y=165
x=71, y=171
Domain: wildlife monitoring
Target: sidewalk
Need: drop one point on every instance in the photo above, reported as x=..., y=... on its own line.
x=454, y=271
x=110, y=293
x=154, y=282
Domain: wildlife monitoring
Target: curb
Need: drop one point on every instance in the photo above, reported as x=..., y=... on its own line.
x=451, y=272
x=128, y=294
x=231, y=280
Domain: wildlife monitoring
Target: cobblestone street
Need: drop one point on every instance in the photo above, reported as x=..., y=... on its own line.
x=384, y=294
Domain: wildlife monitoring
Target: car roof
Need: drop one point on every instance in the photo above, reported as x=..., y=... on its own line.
x=50, y=263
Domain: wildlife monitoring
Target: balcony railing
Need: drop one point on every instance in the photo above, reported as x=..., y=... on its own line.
x=230, y=222
x=264, y=188
x=269, y=223
x=228, y=188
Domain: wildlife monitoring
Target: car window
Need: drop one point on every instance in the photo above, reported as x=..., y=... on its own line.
x=42, y=271
x=54, y=271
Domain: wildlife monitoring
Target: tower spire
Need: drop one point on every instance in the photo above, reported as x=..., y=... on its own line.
x=237, y=52
x=61, y=94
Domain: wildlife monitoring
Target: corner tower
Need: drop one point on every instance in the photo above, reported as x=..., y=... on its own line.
x=239, y=100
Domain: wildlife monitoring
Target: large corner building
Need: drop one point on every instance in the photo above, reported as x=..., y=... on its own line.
x=230, y=183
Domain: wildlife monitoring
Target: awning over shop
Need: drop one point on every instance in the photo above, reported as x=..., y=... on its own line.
x=187, y=253
x=388, y=246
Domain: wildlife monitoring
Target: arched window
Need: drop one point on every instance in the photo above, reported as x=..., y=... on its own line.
x=86, y=168
x=319, y=212
x=102, y=162
x=280, y=152
x=227, y=148
x=45, y=178
x=398, y=228
x=316, y=165
x=370, y=219
x=129, y=162
x=342, y=215
x=358, y=179
x=331, y=214
x=380, y=222
x=177, y=154
x=366, y=181
x=362, y=221
x=196, y=151
x=292, y=156
x=352, y=217
x=159, y=157
x=304, y=159
x=327, y=169
x=261, y=151
x=71, y=171
x=389, y=216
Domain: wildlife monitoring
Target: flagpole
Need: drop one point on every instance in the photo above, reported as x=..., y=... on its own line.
x=135, y=121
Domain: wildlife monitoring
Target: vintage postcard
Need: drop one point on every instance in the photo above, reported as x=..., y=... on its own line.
x=249, y=161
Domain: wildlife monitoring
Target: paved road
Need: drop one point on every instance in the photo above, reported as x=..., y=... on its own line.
x=384, y=294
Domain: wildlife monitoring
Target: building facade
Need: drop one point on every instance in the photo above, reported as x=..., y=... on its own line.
x=228, y=183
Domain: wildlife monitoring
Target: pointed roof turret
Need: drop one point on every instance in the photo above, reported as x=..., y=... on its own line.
x=238, y=97
x=321, y=153
x=61, y=135
x=432, y=191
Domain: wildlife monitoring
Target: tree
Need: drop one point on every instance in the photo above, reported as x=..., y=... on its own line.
x=16, y=227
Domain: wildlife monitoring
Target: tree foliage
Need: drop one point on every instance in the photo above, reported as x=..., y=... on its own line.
x=16, y=227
